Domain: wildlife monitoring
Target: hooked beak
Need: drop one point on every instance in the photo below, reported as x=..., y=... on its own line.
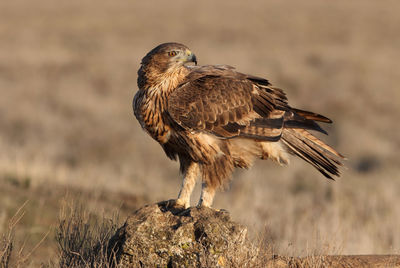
x=194, y=59
x=191, y=57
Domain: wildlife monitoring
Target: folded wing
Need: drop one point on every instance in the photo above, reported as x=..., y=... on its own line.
x=228, y=104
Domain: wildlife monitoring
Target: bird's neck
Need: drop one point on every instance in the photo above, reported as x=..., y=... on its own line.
x=155, y=89
x=158, y=87
x=154, y=81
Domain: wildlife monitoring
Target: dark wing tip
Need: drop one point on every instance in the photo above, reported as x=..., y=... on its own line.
x=312, y=116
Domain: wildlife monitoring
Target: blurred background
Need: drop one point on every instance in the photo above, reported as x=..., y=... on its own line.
x=68, y=75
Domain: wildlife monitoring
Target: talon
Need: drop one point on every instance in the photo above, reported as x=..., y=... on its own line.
x=172, y=205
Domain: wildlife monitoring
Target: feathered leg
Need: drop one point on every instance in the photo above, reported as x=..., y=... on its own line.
x=207, y=195
x=215, y=175
x=189, y=181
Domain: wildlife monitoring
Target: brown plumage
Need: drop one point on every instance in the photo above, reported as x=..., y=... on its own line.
x=213, y=119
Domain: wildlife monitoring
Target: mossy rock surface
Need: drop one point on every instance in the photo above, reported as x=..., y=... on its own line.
x=159, y=236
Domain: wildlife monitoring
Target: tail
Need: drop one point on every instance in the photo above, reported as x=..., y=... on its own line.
x=308, y=147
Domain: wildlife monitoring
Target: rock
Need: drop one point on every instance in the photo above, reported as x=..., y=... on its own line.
x=347, y=261
x=160, y=236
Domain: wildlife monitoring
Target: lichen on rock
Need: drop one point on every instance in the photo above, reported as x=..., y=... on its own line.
x=159, y=236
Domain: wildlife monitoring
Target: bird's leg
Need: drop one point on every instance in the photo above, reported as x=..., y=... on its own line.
x=207, y=195
x=189, y=181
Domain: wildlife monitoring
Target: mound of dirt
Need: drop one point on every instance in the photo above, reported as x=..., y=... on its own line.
x=160, y=236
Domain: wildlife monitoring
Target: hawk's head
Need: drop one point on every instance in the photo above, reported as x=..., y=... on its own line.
x=168, y=56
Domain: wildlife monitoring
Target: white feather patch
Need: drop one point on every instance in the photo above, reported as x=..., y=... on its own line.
x=275, y=151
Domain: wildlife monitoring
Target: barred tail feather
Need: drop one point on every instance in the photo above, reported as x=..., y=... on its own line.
x=308, y=147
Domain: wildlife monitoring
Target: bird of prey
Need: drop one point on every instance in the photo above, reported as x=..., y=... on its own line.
x=213, y=118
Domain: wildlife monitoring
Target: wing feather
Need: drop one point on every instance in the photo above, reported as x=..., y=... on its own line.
x=219, y=100
x=209, y=102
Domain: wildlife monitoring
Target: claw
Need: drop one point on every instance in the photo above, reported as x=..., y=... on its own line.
x=173, y=206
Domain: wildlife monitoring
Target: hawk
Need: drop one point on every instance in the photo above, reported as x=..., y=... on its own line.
x=212, y=119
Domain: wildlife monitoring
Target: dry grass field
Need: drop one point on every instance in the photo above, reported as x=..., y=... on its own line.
x=67, y=132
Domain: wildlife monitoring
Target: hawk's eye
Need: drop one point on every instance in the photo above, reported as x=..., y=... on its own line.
x=172, y=53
